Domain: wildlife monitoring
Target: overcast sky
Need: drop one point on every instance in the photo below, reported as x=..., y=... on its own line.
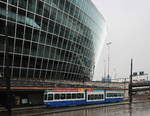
x=128, y=23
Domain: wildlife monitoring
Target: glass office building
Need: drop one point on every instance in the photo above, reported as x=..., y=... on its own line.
x=50, y=39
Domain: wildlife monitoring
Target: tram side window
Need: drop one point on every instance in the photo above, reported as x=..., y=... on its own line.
x=68, y=96
x=50, y=96
x=91, y=97
x=122, y=94
x=118, y=94
x=45, y=97
x=114, y=94
x=62, y=96
x=80, y=95
x=109, y=95
x=100, y=96
x=96, y=96
x=74, y=96
x=57, y=96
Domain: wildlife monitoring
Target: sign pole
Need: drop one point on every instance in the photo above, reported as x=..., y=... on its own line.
x=130, y=84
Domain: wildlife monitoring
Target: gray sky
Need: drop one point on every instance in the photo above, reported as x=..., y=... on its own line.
x=128, y=23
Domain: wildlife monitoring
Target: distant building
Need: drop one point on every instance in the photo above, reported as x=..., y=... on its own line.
x=139, y=77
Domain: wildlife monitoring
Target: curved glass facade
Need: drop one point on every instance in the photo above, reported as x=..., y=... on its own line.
x=50, y=39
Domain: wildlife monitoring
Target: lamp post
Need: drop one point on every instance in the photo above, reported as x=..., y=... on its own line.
x=108, y=45
x=104, y=69
x=130, y=84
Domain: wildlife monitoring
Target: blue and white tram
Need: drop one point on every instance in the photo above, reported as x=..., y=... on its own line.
x=60, y=98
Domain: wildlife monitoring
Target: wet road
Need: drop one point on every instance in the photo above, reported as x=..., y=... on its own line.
x=138, y=109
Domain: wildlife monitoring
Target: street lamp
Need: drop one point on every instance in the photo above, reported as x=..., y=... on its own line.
x=108, y=45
